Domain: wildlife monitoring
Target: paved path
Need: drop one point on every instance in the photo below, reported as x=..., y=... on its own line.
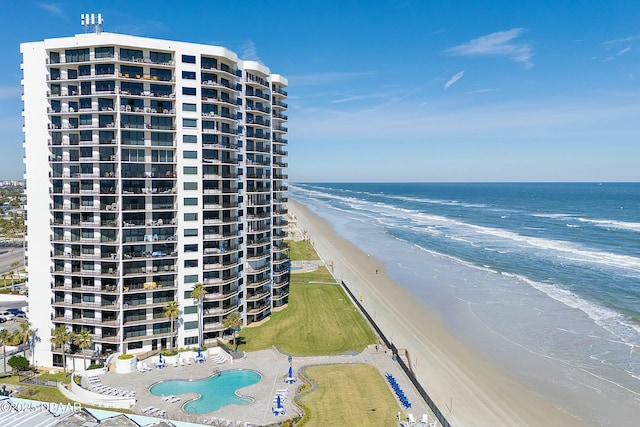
x=273, y=366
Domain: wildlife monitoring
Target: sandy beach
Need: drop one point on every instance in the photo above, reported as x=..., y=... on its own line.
x=468, y=389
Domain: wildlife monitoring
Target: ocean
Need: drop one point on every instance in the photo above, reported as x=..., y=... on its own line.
x=542, y=278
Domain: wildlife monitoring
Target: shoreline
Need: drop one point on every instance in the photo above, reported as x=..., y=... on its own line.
x=468, y=389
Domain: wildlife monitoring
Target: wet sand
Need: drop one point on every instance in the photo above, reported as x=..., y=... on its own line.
x=468, y=389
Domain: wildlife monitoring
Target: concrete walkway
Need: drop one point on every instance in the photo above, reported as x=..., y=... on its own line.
x=273, y=366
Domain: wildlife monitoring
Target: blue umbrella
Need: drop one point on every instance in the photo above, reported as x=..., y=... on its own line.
x=278, y=402
x=290, y=372
x=160, y=358
x=199, y=356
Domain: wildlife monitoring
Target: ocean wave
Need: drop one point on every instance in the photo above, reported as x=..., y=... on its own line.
x=615, y=323
x=609, y=223
x=477, y=235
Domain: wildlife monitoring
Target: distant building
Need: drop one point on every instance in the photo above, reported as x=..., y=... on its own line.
x=151, y=165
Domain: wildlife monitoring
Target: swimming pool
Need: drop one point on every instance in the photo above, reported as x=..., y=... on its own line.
x=215, y=392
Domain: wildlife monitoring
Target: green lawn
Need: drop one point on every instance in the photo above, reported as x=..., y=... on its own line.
x=348, y=395
x=301, y=251
x=320, y=319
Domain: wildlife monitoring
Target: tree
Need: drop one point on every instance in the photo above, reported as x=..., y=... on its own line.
x=12, y=273
x=5, y=336
x=19, y=363
x=83, y=339
x=198, y=293
x=233, y=321
x=23, y=335
x=60, y=336
x=172, y=311
x=4, y=276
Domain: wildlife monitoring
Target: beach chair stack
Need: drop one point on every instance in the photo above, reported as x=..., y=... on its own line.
x=398, y=391
x=155, y=412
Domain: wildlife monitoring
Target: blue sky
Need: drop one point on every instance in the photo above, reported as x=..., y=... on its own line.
x=402, y=90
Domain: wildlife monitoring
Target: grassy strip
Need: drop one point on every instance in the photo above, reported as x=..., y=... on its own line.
x=354, y=394
x=320, y=319
x=301, y=251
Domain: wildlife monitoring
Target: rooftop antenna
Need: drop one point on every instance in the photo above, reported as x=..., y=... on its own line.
x=89, y=22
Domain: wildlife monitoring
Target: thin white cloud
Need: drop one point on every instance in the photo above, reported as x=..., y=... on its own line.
x=499, y=43
x=482, y=91
x=51, y=7
x=625, y=50
x=622, y=40
x=249, y=51
x=453, y=79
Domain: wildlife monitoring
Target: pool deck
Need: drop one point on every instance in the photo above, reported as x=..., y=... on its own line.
x=273, y=366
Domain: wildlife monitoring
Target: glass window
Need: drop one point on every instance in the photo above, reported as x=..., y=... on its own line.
x=190, y=170
x=190, y=186
x=104, y=52
x=77, y=55
x=190, y=263
x=188, y=154
x=188, y=59
x=130, y=54
x=102, y=69
x=191, y=216
x=190, y=325
x=189, y=75
x=190, y=232
x=190, y=309
x=188, y=90
x=164, y=139
x=190, y=278
x=191, y=248
x=85, y=103
x=86, y=119
x=84, y=70
x=54, y=57
x=160, y=57
x=105, y=86
x=190, y=139
x=86, y=135
x=188, y=107
x=190, y=123
x=191, y=201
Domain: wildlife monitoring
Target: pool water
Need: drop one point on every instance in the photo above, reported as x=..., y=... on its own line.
x=215, y=392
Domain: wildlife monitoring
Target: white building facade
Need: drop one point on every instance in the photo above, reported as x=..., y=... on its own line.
x=151, y=165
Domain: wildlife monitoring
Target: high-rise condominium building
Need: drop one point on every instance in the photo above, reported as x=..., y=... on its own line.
x=151, y=166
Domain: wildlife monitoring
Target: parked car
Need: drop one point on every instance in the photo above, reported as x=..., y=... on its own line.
x=2, y=319
x=17, y=312
x=6, y=315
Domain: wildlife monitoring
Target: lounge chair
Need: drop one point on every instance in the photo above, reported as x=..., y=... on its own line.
x=411, y=419
x=168, y=398
x=175, y=399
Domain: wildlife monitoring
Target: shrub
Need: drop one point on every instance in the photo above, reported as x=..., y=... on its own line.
x=18, y=363
x=125, y=356
x=169, y=353
x=95, y=366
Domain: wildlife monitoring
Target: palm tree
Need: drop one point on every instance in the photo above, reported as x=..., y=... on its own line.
x=24, y=334
x=60, y=336
x=198, y=293
x=13, y=266
x=233, y=321
x=5, y=336
x=4, y=276
x=172, y=311
x=83, y=339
